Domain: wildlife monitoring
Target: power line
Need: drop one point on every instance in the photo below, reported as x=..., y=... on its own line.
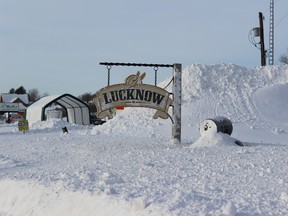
x=281, y=20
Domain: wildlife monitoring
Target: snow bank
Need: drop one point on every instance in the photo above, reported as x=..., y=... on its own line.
x=272, y=103
x=216, y=139
x=31, y=198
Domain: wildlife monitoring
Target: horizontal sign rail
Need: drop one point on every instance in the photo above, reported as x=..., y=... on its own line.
x=135, y=64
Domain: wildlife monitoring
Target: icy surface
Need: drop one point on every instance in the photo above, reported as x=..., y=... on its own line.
x=129, y=166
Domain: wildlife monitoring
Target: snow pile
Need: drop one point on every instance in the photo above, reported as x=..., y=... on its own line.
x=35, y=199
x=49, y=124
x=215, y=139
x=227, y=90
x=128, y=165
x=124, y=123
x=272, y=103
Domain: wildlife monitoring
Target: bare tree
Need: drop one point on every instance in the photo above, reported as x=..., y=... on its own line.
x=284, y=59
x=92, y=107
x=33, y=94
x=86, y=97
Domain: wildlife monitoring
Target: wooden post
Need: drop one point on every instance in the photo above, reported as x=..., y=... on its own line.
x=177, y=91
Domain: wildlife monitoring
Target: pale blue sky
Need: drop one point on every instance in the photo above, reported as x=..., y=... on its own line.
x=56, y=45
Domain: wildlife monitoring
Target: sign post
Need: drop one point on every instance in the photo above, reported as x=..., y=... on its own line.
x=177, y=91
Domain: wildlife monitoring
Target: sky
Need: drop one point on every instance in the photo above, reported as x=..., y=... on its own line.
x=56, y=46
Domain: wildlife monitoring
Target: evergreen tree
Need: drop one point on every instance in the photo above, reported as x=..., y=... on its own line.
x=20, y=90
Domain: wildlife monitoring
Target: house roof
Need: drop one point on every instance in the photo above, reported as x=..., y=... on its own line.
x=10, y=98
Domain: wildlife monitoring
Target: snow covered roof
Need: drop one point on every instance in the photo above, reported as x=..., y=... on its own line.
x=77, y=111
x=10, y=98
x=44, y=100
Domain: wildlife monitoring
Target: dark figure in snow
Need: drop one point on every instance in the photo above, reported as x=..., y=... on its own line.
x=9, y=120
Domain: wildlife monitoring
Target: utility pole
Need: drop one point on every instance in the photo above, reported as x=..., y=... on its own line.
x=262, y=48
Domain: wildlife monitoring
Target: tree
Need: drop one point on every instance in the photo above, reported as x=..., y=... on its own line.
x=86, y=97
x=92, y=107
x=284, y=59
x=12, y=91
x=33, y=94
x=20, y=90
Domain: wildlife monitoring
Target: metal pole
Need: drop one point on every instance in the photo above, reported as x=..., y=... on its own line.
x=271, y=33
x=177, y=91
x=109, y=68
x=263, y=54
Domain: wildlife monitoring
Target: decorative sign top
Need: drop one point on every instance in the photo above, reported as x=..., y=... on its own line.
x=132, y=93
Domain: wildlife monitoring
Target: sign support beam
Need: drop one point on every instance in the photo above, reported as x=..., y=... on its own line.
x=177, y=93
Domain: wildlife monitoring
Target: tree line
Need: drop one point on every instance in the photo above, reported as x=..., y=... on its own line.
x=34, y=95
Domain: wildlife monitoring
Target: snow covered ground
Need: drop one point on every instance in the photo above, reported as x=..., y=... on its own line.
x=129, y=166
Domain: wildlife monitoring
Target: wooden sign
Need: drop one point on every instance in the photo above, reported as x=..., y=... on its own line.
x=132, y=93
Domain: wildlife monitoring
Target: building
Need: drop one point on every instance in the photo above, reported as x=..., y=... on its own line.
x=13, y=102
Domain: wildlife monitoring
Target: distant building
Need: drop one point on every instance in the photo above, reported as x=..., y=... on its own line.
x=13, y=102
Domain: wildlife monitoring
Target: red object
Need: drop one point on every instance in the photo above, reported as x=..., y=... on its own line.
x=120, y=108
x=21, y=113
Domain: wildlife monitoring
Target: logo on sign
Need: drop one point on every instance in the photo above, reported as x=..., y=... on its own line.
x=132, y=93
x=23, y=125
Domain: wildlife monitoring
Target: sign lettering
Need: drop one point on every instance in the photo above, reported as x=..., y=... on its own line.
x=9, y=107
x=132, y=93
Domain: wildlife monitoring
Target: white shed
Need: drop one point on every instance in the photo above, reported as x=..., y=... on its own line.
x=78, y=112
